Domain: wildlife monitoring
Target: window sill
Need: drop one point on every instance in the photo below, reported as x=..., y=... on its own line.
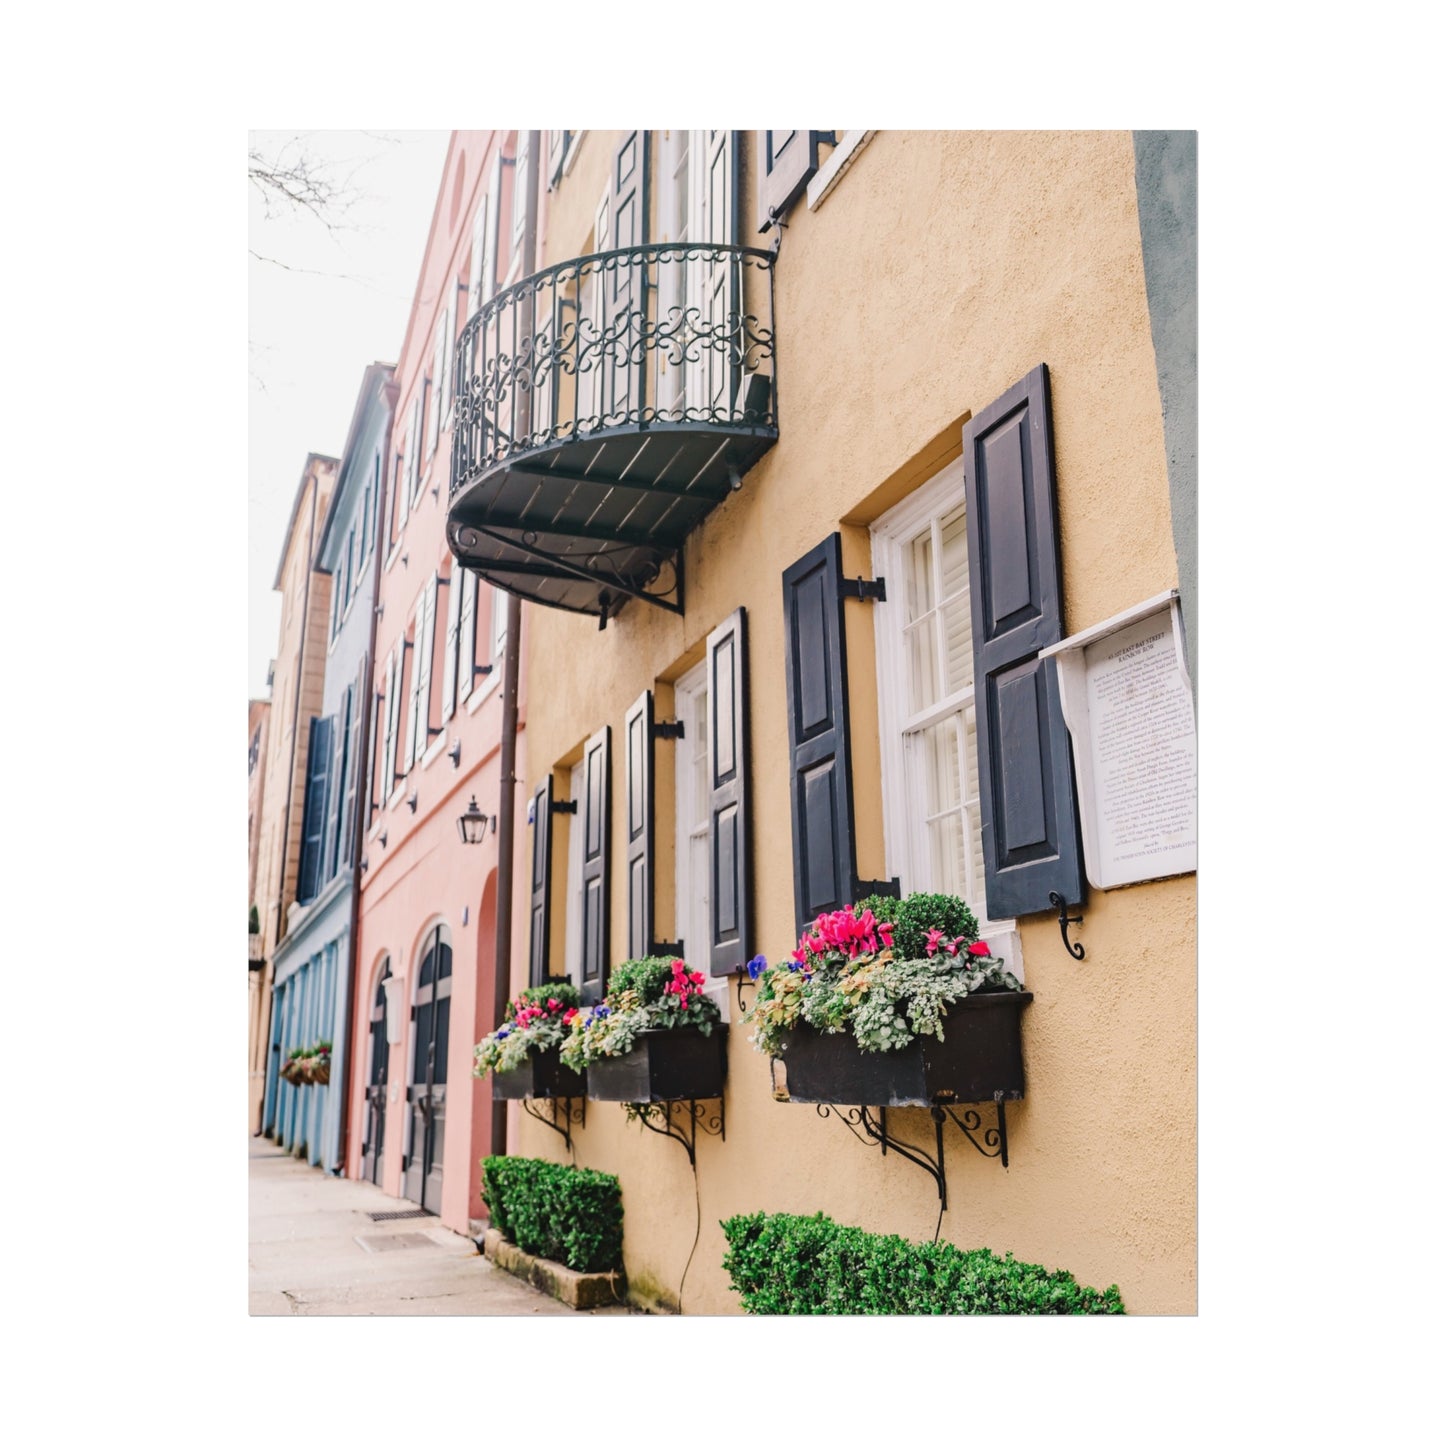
x=434, y=750
x=831, y=171
x=1003, y=943
x=490, y=684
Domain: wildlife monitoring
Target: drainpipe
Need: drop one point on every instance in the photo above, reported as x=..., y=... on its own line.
x=290, y=782
x=362, y=820
x=511, y=657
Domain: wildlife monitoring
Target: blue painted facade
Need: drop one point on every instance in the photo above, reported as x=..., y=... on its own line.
x=313, y=963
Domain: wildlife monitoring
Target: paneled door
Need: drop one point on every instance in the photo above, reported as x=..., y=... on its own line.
x=426, y=1093
x=375, y=1138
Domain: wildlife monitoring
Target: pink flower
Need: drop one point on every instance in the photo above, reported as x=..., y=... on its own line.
x=817, y=944
x=979, y=949
x=935, y=937
x=569, y=1015
x=885, y=932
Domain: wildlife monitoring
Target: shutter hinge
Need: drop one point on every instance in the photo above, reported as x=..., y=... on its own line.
x=481, y=669
x=567, y=807
x=863, y=591
x=667, y=730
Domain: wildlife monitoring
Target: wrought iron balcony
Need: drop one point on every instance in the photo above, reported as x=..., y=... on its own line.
x=605, y=406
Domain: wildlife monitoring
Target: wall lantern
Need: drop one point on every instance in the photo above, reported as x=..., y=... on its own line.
x=395, y=1005
x=472, y=825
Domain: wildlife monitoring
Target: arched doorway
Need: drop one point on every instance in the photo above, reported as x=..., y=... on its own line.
x=374, y=1139
x=426, y=1092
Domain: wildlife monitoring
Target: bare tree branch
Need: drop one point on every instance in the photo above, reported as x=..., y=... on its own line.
x=293, y=179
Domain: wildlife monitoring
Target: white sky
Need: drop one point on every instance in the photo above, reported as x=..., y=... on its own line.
x=315, y=328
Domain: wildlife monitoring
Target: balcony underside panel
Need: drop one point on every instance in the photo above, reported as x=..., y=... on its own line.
x=587, y=524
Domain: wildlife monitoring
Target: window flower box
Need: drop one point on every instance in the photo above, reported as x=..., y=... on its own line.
x=979, y=1059
x=541, y=1075
x=663, y=1065
x=523, y=1055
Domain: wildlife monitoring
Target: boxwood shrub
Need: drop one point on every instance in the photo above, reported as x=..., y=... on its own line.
x=556, y=1211
x=788, y=1264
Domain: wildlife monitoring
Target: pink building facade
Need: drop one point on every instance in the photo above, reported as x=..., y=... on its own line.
x=426, y=941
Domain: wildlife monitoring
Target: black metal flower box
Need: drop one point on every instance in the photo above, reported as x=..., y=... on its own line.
x=664, y=1064
x=542, y=1076
x=980, y=1058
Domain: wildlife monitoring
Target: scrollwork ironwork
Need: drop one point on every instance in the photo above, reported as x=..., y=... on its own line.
x=636, y=338
x=572, y=1111
x=995, y=1140
x=658, y=1117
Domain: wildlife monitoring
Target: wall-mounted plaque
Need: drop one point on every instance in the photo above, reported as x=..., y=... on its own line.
x=1124, y=687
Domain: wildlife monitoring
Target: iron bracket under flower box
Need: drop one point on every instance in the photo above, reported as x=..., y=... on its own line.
x=543, y=1075
x=664, y=1065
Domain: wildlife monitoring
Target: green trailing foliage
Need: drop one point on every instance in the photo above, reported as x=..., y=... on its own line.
x=536, y=1020
x=642, y=994
x=556, y=1211
x=788, y=1264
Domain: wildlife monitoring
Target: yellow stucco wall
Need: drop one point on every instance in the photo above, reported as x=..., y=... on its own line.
x=942, y=268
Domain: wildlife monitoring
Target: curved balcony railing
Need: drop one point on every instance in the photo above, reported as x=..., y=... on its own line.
x=604, y=407
x=633, y=339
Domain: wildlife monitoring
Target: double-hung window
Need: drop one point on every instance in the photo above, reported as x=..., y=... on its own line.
x=932, y=817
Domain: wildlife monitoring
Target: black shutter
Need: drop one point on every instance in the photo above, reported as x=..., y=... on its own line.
x=730, y=917
x=313, y=822
x=787, y=161
x=638, y=733
x=819, y=762
x=541, y=880
x=1026, y=786
x=595, y=816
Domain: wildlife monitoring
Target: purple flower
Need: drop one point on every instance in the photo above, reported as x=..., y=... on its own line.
x=756, y=966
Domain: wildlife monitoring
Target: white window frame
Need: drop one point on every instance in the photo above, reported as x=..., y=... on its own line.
x=521, y=180
x=690, y=818
x=903, y=843
x=499, y=627
x=434, y=381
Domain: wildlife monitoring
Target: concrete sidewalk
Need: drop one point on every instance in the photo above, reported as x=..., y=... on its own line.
x=314, y=1250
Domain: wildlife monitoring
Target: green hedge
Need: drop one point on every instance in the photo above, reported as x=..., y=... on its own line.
x=556, y=1211
x=788, y=1264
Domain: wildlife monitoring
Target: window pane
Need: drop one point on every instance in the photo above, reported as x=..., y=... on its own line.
x=920, y=576
x=922, y=654
x=957, y=622
x=939, y=755
x=701, y=783
x=945, y=847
